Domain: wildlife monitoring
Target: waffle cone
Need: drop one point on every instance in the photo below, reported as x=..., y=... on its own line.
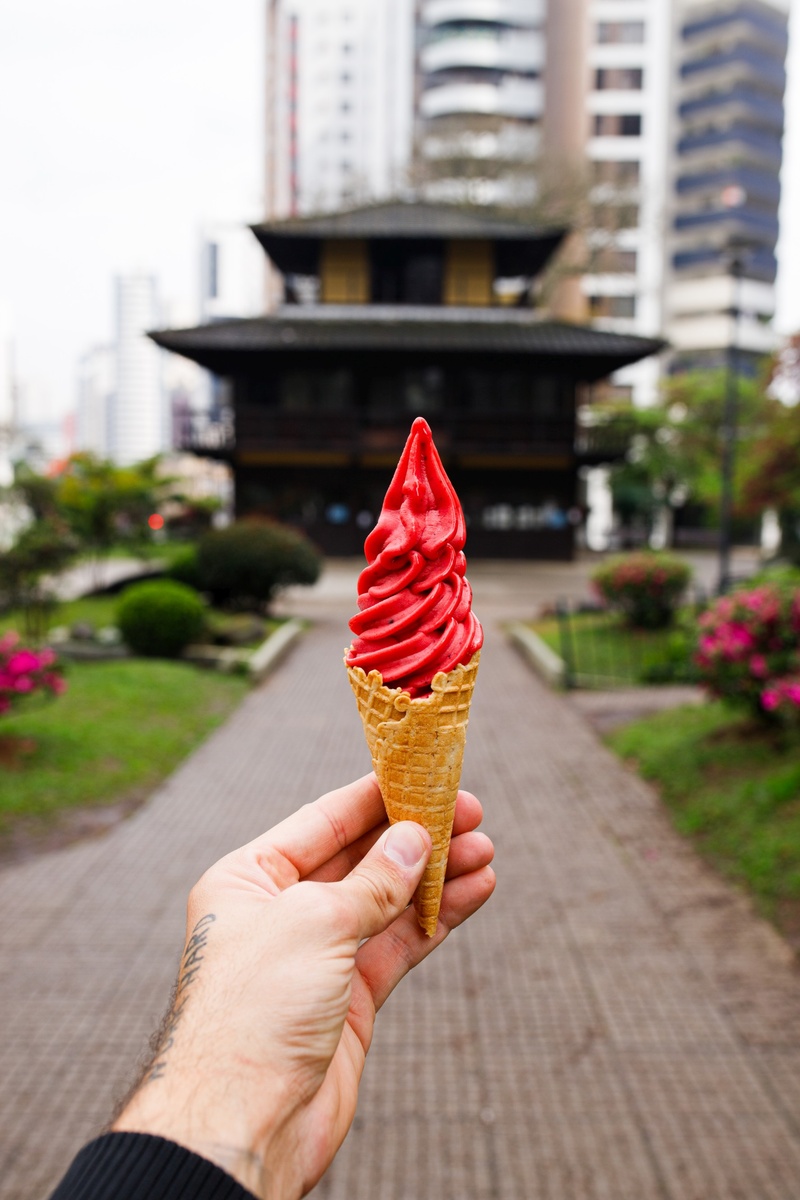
x=417, y=748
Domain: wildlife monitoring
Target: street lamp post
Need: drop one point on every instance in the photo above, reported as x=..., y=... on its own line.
x=730, y=415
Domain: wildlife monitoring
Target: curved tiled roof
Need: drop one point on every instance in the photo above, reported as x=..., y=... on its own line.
x=587, y=353
x=399, y=219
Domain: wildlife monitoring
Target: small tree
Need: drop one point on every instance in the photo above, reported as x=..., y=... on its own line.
x=26, y=571
x=675, y=447
x=772, y=475
x=106, y=504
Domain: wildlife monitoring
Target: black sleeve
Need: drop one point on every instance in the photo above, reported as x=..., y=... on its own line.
x=136, y=1166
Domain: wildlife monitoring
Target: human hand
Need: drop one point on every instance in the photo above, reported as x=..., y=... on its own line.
x=259, y=1061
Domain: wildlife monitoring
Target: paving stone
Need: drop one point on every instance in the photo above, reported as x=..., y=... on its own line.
x=616, y=1024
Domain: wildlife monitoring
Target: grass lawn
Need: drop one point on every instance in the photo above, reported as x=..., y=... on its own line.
x=604, y=650
x=118, y=730
x=733, y=787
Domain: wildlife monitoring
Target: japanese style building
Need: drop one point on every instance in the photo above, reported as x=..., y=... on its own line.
x=395, y=311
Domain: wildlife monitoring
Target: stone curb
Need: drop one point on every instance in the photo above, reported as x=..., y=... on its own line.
x=270, y=652
x=543, y=660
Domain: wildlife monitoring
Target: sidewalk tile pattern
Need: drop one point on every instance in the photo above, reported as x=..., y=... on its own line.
x=614, y=1025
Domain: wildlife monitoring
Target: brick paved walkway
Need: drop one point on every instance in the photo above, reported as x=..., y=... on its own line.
x=614, y=1024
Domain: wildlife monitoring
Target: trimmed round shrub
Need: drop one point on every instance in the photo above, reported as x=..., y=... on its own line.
x=160, y=619
x=244, y=565
x=183, y=568
x=645, y=587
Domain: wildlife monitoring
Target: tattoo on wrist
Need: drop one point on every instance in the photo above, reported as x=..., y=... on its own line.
x=190, y=966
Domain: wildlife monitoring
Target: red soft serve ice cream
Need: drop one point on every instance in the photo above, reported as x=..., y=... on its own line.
x=415, y=605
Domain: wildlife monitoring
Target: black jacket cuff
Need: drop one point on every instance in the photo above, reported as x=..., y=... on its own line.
x=137, y=1166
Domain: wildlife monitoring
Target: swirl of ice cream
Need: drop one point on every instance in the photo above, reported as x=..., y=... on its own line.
x=415, y=603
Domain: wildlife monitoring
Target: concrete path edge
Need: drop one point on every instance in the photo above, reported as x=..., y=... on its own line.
x=536, y=652
x=270, y=652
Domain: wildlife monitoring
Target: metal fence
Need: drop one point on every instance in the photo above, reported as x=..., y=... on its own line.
x=600, y=651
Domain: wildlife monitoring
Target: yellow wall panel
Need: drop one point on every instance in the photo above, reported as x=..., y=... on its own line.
x=469, y=273
x=344, y=273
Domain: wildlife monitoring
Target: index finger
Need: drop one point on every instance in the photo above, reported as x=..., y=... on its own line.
x=318, y=831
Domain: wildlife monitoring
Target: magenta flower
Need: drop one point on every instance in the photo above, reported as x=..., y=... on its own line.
x=748, y=649
x=23, y=662
x=24, y=672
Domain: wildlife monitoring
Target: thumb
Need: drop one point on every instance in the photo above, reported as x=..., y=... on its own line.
x=382, y=884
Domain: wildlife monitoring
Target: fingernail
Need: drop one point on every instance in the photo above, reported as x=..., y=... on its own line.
x=404, y=844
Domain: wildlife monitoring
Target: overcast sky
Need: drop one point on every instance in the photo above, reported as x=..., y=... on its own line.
x=125, y=127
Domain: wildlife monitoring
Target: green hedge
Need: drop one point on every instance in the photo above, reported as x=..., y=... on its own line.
x=161, y=618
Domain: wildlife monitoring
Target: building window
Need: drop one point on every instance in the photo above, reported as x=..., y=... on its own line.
x=617, y=125
x=621, y=307
x=630, y=33
x=316, y=391
x=213, y=270
x=618, y=79
x=623, y=174
x=423, y=391
x=614, y=261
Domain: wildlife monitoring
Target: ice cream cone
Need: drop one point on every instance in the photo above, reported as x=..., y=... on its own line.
x=417, y=747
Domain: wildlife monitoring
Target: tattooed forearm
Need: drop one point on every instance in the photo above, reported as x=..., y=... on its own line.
x=191, y=964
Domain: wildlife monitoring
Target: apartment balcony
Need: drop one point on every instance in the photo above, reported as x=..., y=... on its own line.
x=759, y=185
x=771, y=27
x=764, y=66
x=700, y=261
x=496, y=51
x=508, y=98
x=528, y=14
x=739, y=100
x=766, y=145
x=747, y=220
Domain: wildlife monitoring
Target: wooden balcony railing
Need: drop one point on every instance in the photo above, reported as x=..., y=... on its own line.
x=260, y=429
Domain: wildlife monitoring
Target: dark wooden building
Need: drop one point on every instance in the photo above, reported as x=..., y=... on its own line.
x=392, y=312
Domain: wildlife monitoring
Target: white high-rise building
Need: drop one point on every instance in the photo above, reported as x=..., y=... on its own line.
x=96, y=386
x=628, y=150
x=727, y=152
x=481, y=95
x=674, y=109
x=138, y=425
x=7, y=398
x=340, y=80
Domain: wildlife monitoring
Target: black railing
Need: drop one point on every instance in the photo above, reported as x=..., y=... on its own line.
x=196, y=433
x=268, y=429
x=600, y=651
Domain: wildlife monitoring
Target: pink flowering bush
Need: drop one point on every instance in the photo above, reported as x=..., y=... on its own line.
x=645, y=587
x=24, y=673
x=748, y=650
